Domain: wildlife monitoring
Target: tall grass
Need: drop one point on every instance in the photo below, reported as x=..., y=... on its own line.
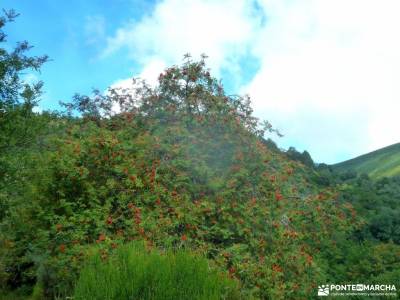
x=135, y=273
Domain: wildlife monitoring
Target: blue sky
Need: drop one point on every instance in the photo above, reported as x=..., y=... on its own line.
x=72, y=34
x=325, y=73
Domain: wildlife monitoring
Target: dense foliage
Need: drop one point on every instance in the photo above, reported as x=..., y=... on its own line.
x=179, y=165
x=304, y=157
x=376, y=201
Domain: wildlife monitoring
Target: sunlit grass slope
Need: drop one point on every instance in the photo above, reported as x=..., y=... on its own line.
x=377, y=164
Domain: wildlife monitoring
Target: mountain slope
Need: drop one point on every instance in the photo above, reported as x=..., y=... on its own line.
x=380, y=163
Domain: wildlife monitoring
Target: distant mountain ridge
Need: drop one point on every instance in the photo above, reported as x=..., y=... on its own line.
x=379, y=163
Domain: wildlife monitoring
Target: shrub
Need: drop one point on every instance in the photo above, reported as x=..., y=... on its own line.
x=133, y=272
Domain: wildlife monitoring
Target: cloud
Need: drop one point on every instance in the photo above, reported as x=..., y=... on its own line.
x=328, y=73
x=221, y=29
x=95, y=29
x=30, y=78
x=150, y=74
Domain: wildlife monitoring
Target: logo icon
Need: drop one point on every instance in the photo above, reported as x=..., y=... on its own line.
x=360, y=287
x=323, y=290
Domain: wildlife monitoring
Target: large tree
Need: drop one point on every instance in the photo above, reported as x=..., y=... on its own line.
x=13, y=63
x=17, y=95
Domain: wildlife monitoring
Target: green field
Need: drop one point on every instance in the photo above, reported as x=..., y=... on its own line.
x=377, y=164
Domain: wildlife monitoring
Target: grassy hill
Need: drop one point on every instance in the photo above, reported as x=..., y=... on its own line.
x=377, y=164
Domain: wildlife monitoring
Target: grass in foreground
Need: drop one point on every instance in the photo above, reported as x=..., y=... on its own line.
x=135, y=273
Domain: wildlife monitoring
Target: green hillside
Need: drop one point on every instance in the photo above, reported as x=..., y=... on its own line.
x=377, y=164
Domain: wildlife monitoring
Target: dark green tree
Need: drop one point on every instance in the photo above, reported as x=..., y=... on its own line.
x=17, y=97
x=13, y=89
x=304, y=157
x=20, y=130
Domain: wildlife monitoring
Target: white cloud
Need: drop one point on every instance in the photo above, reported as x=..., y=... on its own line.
x=149, y=74
x=37, y=109
x=339, y=62
x=95, y=29
x=221, y=29
x=329, y=70
x=152, y=69
x=30, y=78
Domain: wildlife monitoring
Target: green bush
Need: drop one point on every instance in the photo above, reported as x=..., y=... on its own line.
x=133, y=272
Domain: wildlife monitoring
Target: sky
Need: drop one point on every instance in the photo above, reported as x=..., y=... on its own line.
x=325, y=73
